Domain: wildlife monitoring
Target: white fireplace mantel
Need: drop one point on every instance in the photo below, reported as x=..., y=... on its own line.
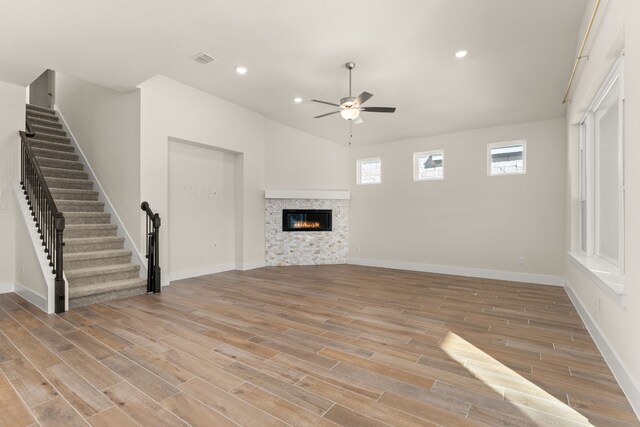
x=308, y=194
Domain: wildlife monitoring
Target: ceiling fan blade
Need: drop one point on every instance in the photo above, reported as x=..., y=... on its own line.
x=358, y=120
x=325, y=102
x=379, y=109
x=363, y=97
x=327, y=114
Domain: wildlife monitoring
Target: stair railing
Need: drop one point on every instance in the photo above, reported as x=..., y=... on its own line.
x=50, y=222
x=153, y=249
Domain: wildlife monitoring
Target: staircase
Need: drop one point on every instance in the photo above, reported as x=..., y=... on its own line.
x=96, y=265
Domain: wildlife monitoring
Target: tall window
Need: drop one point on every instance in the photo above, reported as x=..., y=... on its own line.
x=507, y=158
x=602, y=172
x=369, y=171
x=428, y=165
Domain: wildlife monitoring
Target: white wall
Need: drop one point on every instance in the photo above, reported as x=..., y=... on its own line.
x=106, y=125
x=299, y=161
x=477, y=223
x=202, y=195
x=12, y=114
x=612, y=325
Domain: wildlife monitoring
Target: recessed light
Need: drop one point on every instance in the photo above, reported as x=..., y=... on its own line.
x=297, y=100
x=462, y=53
x=241, y=70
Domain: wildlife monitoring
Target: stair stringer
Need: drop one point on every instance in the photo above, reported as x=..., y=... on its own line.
x=44, y=302
x=137, y=257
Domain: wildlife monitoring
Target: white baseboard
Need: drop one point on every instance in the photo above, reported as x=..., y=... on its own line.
x=35, y=299
x=201, y=271
x=629, y=386
x=512, y=276
x=6, y=287
x=250, y=265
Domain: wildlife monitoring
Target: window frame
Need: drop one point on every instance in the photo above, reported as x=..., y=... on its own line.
x=416, y=168
x=494, y=145
x=359, y=163
x=589, y=174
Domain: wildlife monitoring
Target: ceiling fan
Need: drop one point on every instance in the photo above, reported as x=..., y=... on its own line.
x=351, y=107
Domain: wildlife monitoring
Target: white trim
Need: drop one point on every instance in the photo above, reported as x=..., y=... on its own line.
x=29, y=295
x=102, y=196
x=251, y=265
x=308, y=194
x=629, y=386
x=6, y=287
x=493, y=145
x=359, y=163
x=603, y=274
x=511, y=276
x=40, y=254
x=416, y=167
x=201, y=271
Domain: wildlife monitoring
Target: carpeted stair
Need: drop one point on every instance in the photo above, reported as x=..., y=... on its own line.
x=96, y=265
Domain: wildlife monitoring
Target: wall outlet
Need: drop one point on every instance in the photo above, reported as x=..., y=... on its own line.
x=521, y=260
x=359, y=250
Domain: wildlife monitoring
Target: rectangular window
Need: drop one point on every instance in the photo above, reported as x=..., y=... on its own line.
x=369, y=171
x=507, y=158
x=601, y=173
x=428, y=165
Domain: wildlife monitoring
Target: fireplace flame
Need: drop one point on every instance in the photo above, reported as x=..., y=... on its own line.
x=306, y=224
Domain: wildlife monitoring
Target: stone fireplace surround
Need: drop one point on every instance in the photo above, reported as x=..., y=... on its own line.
x=306, y=248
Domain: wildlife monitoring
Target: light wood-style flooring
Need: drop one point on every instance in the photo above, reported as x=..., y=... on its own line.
x=322, y=346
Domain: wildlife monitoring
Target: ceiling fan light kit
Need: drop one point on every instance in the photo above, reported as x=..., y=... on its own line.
x=351, y=107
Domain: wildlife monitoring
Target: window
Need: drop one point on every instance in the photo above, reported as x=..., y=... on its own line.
x=428, y=165
x=601, y=173
x=507, y=158
x=369, y=171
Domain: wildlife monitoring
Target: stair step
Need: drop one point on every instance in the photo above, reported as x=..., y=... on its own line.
x=39, y=109
x=43, y=122
x=32, y=114
x=63, y=173
x=87, y=218
x=43, y=136
x=78, y=260
x=51, y=145
x=48, y=130
x=59, y=163
x=81, y=184
x=53, y=154
x=73, y=194
x=73, y=231
x=91, y=294
x=102, y=274
x=92, y=244
x=80, y=205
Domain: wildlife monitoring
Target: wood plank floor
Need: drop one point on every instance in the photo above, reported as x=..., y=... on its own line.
x=322, y=346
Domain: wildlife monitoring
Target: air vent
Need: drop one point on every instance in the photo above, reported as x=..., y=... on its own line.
x=203, y=58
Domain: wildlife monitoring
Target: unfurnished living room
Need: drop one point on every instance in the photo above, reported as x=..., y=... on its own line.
x=319, y=213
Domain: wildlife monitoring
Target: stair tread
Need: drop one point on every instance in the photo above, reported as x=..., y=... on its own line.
x=86, y=214
x=79, y=202
x=52, y=154
x=66, y=179
x=110, y=253
x=91, y=226
x=102, y=288
x=99, y=270
x=41, y=109
x=50, y=145
x=98, y=239
x=72, y=191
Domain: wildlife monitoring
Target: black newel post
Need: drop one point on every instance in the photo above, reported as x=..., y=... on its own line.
x=59, y=281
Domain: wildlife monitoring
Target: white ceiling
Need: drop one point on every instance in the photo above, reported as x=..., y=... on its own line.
x=521, y=53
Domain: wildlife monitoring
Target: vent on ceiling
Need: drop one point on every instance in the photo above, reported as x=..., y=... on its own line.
x=203, y=58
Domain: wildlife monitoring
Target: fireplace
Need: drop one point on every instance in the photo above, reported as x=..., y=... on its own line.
x=306, y=220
